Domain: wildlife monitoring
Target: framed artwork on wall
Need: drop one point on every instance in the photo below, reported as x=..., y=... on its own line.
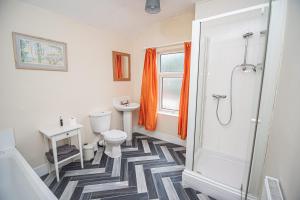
x=39, y=53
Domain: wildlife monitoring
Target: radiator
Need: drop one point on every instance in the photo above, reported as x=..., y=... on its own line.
x=272, y=190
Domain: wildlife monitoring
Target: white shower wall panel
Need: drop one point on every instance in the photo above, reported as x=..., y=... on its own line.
x=224, y=51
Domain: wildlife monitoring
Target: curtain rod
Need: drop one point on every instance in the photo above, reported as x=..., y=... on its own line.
x=167, y=45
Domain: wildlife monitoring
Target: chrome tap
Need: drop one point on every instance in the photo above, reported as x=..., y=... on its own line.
x=125, y=102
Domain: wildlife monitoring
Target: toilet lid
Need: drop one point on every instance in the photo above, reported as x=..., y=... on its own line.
x=114, y=135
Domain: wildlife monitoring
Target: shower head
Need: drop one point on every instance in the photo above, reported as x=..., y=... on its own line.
x=245, y=65
x=247, y=35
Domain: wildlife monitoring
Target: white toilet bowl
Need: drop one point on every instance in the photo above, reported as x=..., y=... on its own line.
x=113, y=140
x=100, y=123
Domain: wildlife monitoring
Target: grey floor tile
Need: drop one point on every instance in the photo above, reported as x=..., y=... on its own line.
x=148, y=169
x=140, y=179
x=112, y=193
x=77, y=193
x=131, y=174
x=191, y=194
x=139, y=196
x=169, y=188
x=61, y=187
x=162, y=195
x=150, y=184
x=105, y=186
x=69, y=190
x=180, y=191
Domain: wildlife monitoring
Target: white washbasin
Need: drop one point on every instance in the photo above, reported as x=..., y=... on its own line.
x=127, y=107
x=126, y=110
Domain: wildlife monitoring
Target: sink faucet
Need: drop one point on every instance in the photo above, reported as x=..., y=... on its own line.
x=125, y=102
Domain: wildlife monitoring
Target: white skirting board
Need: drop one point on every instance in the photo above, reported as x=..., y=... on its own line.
x=160, y=135
x=209, y=187
x=41, y=170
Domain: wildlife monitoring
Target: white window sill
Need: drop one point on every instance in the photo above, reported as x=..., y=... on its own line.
x=174, y=114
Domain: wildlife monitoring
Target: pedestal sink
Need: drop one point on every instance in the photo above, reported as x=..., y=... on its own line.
x=127, y=109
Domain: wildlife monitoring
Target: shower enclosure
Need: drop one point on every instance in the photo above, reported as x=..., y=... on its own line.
x=232, y=91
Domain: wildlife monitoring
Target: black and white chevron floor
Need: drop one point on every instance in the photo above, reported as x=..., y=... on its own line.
x=149, y=169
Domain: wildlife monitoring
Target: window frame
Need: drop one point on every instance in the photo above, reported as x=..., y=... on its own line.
x=162, y=75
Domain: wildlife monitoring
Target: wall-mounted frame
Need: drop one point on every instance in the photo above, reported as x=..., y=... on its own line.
x=38, y=53
x=121, y=66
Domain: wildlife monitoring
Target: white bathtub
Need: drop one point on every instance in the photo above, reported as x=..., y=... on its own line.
x=17, y=178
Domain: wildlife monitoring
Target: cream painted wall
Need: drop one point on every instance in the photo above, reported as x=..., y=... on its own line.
x=283, y=151
x=172, y=30
x=207, y=8
x=33, y=99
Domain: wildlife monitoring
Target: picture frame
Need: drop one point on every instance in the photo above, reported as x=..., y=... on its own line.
x=36, y=53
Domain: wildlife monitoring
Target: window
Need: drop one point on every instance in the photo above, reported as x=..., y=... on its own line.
x=170, y=80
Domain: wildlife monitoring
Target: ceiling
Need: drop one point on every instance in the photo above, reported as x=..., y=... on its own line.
x=117, y=15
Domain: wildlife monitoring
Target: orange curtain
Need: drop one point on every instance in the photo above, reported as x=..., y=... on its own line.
x=118, y=66
x=184, y=93
x=148, y=108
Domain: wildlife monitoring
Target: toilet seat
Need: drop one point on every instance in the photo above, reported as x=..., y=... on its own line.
x=114, y=135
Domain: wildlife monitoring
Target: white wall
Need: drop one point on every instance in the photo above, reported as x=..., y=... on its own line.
x=33, y=99
x=171, y=30
x=283, y=150
x=207, y=8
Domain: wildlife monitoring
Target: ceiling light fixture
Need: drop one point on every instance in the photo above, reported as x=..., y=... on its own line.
x=152, y=6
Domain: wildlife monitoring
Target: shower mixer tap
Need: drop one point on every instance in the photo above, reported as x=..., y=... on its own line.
x=248, y=67
x=218, y=96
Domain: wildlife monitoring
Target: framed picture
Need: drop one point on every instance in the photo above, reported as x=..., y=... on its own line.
x=38, y=53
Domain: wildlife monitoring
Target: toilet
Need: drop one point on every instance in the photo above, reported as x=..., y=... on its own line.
x=100, y=123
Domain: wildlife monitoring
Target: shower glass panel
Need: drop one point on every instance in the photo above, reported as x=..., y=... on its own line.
x=231, y=62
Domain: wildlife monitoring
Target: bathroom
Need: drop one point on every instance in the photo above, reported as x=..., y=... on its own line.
x=241, y=127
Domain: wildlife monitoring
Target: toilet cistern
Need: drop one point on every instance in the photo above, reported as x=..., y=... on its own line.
x=100, y=123
x=124, y=105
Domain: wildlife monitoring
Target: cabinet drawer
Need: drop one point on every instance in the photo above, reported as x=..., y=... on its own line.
x=65, y=135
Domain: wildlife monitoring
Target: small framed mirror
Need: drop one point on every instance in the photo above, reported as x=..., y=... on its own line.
x=121, y=66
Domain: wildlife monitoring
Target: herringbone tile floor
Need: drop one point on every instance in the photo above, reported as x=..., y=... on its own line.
x=149, y=169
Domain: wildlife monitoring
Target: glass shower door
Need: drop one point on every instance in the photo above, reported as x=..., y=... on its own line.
x=231, y=57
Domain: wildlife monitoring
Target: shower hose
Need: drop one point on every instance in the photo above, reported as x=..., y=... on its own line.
x=230, y=100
